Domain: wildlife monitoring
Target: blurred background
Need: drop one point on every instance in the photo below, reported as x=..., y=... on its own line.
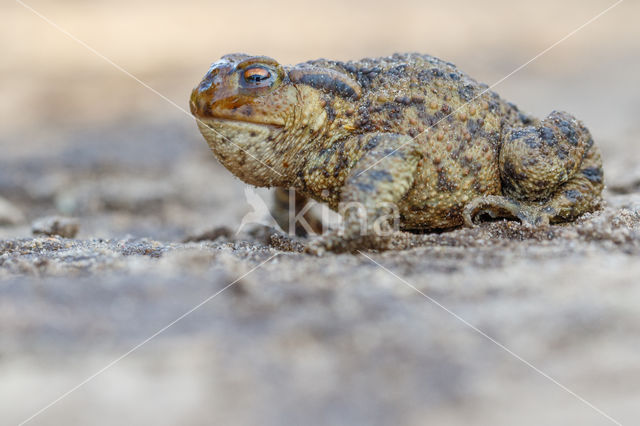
x=80, y=137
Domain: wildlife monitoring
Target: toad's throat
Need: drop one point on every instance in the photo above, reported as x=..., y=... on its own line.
x=227, y=135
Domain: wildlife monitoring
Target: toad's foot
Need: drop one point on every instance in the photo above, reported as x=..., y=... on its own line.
x=502, y=207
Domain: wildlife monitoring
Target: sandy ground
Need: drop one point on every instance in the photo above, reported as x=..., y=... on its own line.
x=496, y=325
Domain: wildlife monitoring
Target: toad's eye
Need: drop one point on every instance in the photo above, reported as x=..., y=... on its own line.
x=256, y=75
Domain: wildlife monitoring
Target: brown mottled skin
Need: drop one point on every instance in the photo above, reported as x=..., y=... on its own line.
x=408, y=130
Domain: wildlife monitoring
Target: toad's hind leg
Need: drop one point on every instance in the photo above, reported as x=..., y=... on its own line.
x=581, y=193
x=551, y=172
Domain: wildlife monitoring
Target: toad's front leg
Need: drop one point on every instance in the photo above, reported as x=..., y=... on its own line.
x=368, y=199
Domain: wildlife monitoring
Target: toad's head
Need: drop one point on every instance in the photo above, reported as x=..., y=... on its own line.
x=243, y=107
x=259, y=117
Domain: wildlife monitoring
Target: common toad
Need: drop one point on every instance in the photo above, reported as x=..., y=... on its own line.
x=408, y=138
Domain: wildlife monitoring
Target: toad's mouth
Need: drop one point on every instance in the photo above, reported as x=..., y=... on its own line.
x=205, y=112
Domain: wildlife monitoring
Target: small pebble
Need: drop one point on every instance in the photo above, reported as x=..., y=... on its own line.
x=10, y=214
x=56, y=225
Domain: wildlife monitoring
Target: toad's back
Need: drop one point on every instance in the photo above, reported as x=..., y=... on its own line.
x=456, y=122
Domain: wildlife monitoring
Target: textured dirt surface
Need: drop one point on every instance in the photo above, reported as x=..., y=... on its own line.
x=453, y=328
x=338, y=339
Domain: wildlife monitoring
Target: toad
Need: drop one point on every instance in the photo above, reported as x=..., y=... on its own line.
x=409, y=140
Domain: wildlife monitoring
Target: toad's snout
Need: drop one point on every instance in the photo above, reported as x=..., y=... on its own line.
x=198, y=103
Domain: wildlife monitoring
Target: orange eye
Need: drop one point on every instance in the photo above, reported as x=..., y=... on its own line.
x=256, y=74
